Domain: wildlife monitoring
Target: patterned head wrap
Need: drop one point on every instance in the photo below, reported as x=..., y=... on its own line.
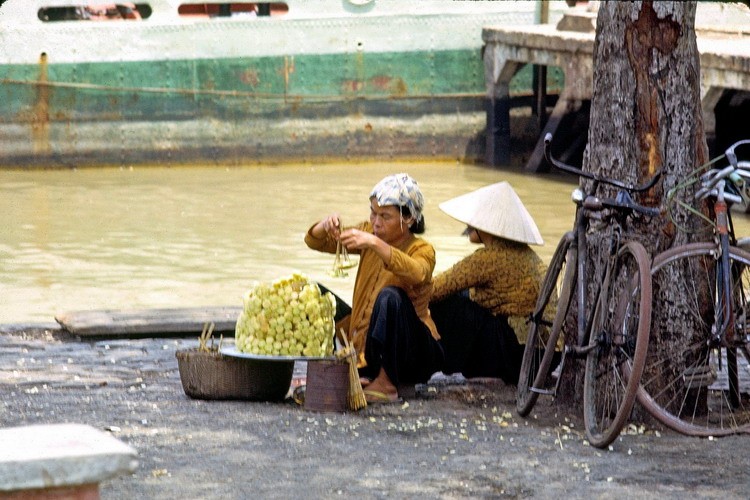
x=400, y=190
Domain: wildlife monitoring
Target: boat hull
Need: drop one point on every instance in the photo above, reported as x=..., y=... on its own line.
x=375, y=86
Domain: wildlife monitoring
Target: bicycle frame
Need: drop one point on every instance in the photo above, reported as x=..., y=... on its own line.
x=612, y=331
x=693, y=386
x=725, y=233
x=581, y=247
x=586, y=202
x=580, y=244
x=723, y=327
x=579, y=256
x=724, y=278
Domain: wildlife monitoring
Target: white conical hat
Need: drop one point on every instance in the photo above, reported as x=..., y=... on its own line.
x=495, y=209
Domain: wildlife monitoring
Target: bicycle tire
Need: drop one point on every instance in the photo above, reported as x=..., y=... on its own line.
x=683, y=387
x=618, y=344
x=542, y=338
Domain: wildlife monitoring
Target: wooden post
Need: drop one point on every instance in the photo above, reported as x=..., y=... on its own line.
x=498, y=71
x=540, y=94
x=498, y=129
x=539, y=83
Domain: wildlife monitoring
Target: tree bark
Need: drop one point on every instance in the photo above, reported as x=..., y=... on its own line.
x=646, y=110
x=645, y=117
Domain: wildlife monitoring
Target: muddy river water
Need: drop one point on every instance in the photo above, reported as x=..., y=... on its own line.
x=199, y=236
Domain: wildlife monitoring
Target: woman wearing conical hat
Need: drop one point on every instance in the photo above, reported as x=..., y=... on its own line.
x=473, y=301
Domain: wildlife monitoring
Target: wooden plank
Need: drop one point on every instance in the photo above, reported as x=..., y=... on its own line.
x=149, y=322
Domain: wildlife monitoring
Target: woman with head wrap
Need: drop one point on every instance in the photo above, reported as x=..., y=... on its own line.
x=474, y=300
x=389, y=325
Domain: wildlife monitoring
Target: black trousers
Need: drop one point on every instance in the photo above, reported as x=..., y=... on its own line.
x=476, y=342
x=399, y=342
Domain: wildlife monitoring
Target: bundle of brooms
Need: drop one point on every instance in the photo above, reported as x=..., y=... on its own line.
x=356, y=397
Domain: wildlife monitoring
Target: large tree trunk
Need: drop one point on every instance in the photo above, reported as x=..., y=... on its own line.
x=645, y=116
x=646, y=110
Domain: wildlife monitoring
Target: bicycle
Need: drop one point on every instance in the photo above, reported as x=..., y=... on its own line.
x=691, y=382
x=612, y=336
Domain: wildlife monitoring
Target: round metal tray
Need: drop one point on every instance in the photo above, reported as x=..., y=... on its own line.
x=232, y=351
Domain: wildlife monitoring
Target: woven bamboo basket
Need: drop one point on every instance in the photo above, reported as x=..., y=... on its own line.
x=211, y=375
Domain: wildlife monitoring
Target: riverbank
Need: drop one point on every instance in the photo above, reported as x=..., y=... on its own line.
x=455, y=439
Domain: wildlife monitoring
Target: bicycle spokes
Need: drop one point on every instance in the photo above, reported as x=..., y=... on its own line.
x=693, y=377
x=618, y=342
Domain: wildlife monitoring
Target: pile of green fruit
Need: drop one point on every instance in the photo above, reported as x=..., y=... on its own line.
x=289, y=317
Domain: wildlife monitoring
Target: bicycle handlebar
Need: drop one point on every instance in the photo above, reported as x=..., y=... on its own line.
x=605, y=180
x=717, y=190
x=730, y=154
x=714, y=182
x=710, y=179
x=623, y=203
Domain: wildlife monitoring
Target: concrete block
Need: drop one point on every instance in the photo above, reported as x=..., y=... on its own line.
x=60, y=456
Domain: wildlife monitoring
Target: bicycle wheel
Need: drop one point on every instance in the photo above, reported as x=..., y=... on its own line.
x=694, y=382
x=618, y=343
x=546, y=325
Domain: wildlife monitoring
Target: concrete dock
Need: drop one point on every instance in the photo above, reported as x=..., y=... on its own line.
x=724, y=49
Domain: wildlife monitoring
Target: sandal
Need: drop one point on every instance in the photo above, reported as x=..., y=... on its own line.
x=377, y=397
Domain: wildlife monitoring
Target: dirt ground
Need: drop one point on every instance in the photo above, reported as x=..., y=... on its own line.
x=454, y=439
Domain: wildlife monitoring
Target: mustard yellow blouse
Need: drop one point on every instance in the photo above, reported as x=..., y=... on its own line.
x=502, y=276
x=410, y=268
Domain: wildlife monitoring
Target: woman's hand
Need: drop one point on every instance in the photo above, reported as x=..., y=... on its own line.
x=354, y=239
x=330, y=225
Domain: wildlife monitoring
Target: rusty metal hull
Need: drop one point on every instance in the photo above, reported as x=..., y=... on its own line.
x=376, y=79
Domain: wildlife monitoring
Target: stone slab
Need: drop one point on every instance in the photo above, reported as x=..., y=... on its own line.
x=60, y=455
